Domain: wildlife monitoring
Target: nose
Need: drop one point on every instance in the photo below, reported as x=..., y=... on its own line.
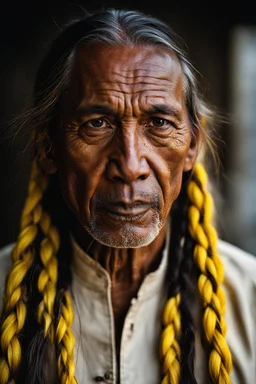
x=128, y=161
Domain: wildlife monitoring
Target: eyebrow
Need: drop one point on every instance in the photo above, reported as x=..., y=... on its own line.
x=95, y=108
x=165, y=109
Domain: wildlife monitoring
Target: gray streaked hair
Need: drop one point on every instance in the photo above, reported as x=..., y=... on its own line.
x=111, y=27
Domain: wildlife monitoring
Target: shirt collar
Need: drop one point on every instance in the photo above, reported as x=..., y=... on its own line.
x=92, y=275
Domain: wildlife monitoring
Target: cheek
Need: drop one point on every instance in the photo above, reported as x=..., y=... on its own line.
x=169, y=172
x=171, y=187
x=79, y=172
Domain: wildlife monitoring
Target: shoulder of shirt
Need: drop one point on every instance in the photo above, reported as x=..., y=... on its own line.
x=237, y=259
x=5, y=265
x=5, y=261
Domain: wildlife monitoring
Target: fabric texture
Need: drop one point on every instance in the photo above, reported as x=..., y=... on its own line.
x=93, y=327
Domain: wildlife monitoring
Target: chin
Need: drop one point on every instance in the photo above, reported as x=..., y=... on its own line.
x=126, y=236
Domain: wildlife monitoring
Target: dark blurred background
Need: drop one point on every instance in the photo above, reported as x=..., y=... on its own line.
x=221, y=43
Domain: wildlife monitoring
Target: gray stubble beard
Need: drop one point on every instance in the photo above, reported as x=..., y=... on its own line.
x=126, y=237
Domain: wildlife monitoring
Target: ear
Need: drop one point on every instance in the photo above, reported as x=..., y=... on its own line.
x=46, y=155
x=193, y=150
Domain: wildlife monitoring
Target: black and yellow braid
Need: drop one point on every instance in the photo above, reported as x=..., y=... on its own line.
x=15, y=309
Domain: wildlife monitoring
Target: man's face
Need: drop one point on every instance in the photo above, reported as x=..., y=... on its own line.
x=124, y=142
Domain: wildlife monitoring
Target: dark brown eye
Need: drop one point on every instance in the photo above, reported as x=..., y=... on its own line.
x=157, y=122
x=97, y=123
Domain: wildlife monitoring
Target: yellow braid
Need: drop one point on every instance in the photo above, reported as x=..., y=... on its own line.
x=48, y=277
x=65, y=338
x=170, y=349
x=47, y=281
x=212, y=273
x=15, y=307
x=14, y=311
x=47, y=286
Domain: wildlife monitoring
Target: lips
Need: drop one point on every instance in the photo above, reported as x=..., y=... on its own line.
x=128, y=212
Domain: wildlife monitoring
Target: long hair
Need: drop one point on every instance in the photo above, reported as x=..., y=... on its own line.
x=37, y=313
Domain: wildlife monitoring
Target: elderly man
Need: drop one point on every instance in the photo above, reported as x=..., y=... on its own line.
x=116, y=229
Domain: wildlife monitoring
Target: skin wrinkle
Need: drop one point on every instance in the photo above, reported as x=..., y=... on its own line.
x=128, y=163
x=128, y=128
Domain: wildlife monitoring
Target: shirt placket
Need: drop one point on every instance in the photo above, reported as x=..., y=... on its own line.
x=109, y=375
x=105, y=370
x=127, y=335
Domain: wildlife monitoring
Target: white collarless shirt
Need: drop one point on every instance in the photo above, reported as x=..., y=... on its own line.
x=95, y=354
x=93, y=326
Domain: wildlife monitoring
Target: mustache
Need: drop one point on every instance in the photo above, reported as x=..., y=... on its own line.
x=138, y=200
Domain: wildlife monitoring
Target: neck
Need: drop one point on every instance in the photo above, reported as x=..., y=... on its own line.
x=127, y=266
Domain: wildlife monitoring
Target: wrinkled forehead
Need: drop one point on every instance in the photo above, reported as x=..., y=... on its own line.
x=131, y=61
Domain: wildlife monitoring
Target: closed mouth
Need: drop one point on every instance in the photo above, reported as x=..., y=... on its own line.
x=132, y=212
